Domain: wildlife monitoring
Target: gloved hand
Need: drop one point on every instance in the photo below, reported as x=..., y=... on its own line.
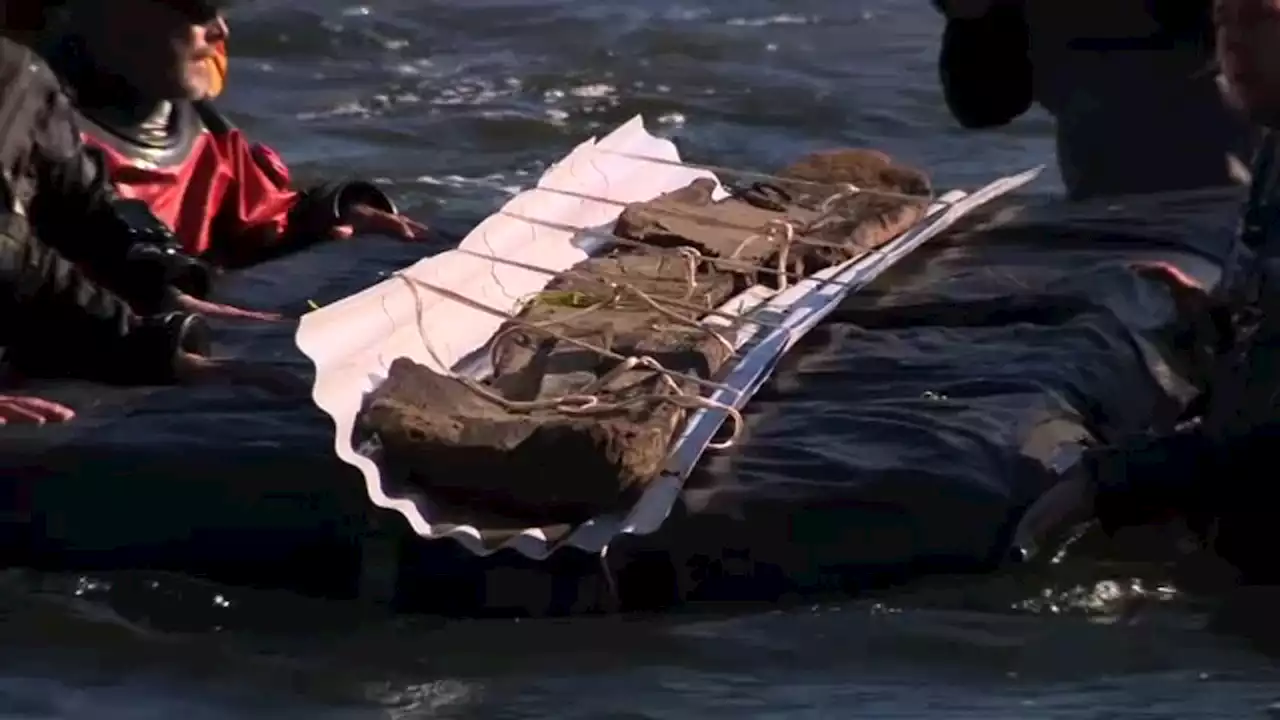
x=156, y=260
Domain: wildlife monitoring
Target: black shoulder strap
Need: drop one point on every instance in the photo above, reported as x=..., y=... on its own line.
x=213, y=119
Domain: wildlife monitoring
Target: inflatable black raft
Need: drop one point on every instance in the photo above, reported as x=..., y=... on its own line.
x=903, y=437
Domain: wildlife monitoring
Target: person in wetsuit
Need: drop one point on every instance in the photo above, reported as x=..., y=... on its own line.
x=85, y=291
x=137, y=71
x=1216, y=474
x=1137, y=102
x=25, y=21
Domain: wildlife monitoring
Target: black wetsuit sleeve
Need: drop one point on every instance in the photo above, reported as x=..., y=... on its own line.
x=1187, y=474
x=328, y=204
x=1155, y=479
x=984, y=67
x=74, y=206
x=56, y=322
x=1222, y=487
x=313, y=213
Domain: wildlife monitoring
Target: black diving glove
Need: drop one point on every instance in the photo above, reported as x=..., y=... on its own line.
x=1145, y=481
x=151, y=352
x=156, y=261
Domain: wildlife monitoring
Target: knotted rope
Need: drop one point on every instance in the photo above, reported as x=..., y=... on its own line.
x=587, y=401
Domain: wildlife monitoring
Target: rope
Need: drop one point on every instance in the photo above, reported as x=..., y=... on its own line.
x=693, y=255
x=825, y=211
x=692, y=260
x=583, y=403
x=784, y=253
x=781, y=273
x=587, y=401
x=613, y=301
x=611, y=583
x=721, y=170
x=847, y=190
x=495, y=343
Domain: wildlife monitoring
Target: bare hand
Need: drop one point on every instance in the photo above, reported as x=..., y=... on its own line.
x=200, y=370
x=212, y=309
x=34, y=410
x=371, y=221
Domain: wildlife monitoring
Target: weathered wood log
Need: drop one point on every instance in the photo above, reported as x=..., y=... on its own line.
x=550, y=465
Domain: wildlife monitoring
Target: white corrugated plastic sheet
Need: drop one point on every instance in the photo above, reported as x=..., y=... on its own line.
x=552, y=226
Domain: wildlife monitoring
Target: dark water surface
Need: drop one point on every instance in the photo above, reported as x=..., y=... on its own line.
x=458, y=103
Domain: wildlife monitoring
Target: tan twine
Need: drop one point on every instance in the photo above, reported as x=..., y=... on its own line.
x=588, y=401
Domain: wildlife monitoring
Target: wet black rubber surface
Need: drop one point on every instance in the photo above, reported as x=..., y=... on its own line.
x=929, y=412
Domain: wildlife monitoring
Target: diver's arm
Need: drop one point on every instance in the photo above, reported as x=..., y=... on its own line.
x=77, y=212
x=264, y=216
x=984, y=64
x=1177, y=475
x=1158, y=478
x=56, y=322
x=329, y=204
